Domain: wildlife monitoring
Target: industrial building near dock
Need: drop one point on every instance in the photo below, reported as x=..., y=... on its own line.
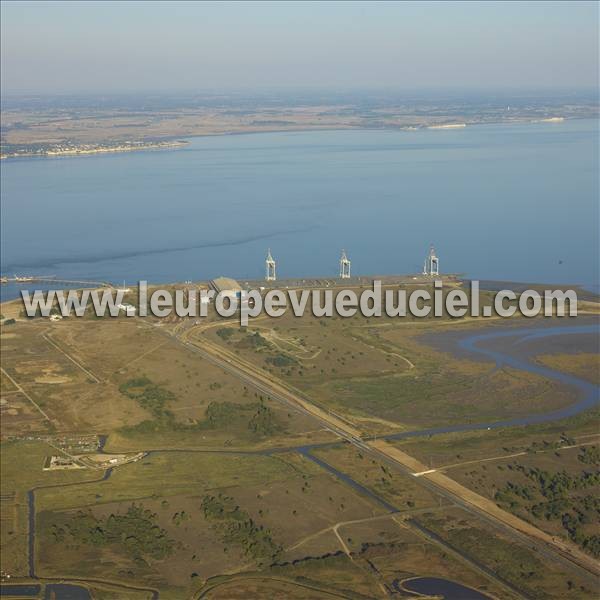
x=227, y=287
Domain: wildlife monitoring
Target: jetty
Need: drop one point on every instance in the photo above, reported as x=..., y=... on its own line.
x=54, y=279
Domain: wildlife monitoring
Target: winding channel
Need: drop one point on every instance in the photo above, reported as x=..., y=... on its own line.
x=589, y=393
x=589, y=396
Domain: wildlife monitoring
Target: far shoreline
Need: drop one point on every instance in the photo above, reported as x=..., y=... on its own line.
x=122, y=147
x=181, y=141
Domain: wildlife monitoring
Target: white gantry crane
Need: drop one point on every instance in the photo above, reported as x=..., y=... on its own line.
x=432, y=263
x=270, y=265
x=344, y=266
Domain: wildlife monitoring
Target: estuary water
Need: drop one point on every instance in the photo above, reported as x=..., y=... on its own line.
x=510, y=202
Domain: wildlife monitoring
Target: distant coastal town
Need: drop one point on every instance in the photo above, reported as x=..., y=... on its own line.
x=76, y=125
x=65, y=148
x=72, y=149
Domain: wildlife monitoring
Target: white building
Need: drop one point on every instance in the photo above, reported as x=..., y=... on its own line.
x=128, y=309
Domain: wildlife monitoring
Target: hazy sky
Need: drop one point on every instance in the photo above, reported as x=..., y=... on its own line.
x=135, y=46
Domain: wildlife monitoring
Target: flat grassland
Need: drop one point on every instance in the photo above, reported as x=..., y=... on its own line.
x=378, y=373
x=237, y=495
x=583, y=364
x=123, y=377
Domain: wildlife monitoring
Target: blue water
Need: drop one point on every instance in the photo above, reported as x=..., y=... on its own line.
x=25, y=590
x=448, y=590
x=588, y=393
x=66, y=591
x=511, y=202
x=306, y=452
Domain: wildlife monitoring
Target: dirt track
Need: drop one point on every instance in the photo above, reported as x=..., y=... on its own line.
x=557, y=549
x=487, y=506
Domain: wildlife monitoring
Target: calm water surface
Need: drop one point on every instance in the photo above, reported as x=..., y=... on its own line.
x=512, y=202
x=448, y=590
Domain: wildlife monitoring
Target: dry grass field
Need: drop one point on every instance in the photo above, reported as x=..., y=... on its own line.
x=514, y=563
x=399, y=490
x=556, y=489
x=74, y=371
x=585, y=365
x=21, y=467
x=380, y=375
x=239, y=494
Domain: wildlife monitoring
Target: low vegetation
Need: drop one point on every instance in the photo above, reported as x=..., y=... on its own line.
x=135, y=533
x=280, y=360
x=564, y=499
x=258, y=418
x=512, y=562
x=237, y=527
x=150, y=396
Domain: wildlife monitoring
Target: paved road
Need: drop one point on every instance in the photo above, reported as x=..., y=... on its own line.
x=387, y=453
x=565, y=554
